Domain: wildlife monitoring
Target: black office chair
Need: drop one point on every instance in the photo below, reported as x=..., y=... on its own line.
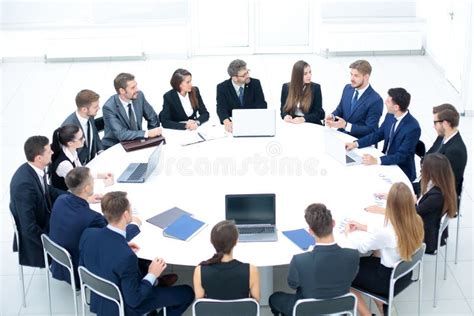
x=210, y=307
x=20, y=267
x=420, y=149
x=99, y=123
x=345, y=304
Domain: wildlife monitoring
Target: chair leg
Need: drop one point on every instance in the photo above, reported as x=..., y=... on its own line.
x=48, y=288
x=22, y=281
x=435, y=278
x=457, y=238
x=446, y=260
x=420, y=287
x=74, y=296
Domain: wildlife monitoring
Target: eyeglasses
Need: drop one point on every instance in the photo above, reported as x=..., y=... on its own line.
x=438, y=121
x=245, y=74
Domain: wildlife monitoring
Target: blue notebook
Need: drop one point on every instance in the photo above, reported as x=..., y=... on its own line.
x=184, y=228
x=300, y=237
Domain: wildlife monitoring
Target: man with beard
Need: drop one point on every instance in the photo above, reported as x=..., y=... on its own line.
x=124, y=113
x=360, y=108
x=238, y=92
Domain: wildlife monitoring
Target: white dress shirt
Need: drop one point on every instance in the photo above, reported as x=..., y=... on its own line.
x=65, y=166
x=125, y=106
x=84, y=123
x=186, y=103
x=348, y=127
x=39, y=172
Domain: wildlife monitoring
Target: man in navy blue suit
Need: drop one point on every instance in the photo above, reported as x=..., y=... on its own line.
x=106, y=253
x=360, y=108
x=400, y=132
x=71, y=215
x=238, y=92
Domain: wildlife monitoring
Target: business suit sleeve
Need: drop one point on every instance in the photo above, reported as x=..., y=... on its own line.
x=430, y=203
x=99, y=146
x=203, y=113
x=54, y=193
x=316, y=112
x=374, y=113
x=132, y=231
x=375, y=137
x=259, y=101
x=406, y=149
x=134, y=288
x=223, y=107
x=339, y=109
x=149, y=114
x=293, y=275
x=120, y=131
x=284, y=96
x=166, y=116
x=98, y=221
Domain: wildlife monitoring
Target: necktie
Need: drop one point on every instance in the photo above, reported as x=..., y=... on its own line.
x=46, y=191
x=241, y=96
x=354, y=100
x=89, y=139
x=392, y=131
x=131, y=117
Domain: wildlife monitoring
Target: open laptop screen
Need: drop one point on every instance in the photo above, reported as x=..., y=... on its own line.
x=247, y=209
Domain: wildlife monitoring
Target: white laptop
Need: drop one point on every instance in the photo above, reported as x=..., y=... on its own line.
x=139, y=172
x=336, y=148
x=253, y=122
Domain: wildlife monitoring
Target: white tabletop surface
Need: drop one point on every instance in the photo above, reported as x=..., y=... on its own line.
x=196, y=178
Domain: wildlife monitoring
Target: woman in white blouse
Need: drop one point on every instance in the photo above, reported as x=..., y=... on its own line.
x=400, y=236
x=182, y=104
x=66, y=140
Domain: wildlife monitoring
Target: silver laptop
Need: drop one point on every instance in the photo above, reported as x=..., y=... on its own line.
x=139, y=172
x=336, y=148
x=253, y=122
x=254, y=216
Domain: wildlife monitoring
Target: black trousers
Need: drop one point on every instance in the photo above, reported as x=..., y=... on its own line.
x=282, y=303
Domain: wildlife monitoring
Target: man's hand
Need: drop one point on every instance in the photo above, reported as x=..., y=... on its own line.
x=137, y=220
x=157, y=266
x=133, y=246
x=350, y=146
x=228, y=125
x=154, y=132
x=95, y=198
x=109, y=179
x=339, y=122
x=369, y=160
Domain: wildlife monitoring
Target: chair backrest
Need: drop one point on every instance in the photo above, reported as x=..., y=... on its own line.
x=99, y=123
x=210, y=307
x=102, y=287
x=343, y=304
x=15, y=232
x=58, y=253
x=420, y=149
x=402, y=267
x=442, y=226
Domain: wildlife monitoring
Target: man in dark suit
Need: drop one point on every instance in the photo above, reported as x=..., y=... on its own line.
x=360, y=108
x=87, y=103
x=125, y=111
x=31, y=200
x=106, y=253
x=325, y=272
x=71, y=215
x=238, y=92
x=400, y=132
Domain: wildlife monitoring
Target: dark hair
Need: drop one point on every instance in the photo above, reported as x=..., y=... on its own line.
x=224, y=237
x=85, y=97
x=34, y=146
x=77, y=178
x=113, y=205
x=437, y=169
x=401, y=97
x=319, y=219
x=235, y=66
x=298, y=91
x=62, y=136
x=176, y=79
x=362, y=66
x=447, y=112
x=122, y=80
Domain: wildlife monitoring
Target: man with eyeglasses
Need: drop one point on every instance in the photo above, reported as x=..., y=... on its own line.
x=238, y=92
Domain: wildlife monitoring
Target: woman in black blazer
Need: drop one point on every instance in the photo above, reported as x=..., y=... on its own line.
x=301, y=99
x=438, y=196
x=182, y=104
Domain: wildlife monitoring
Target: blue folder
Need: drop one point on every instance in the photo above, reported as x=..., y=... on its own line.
x=184, y=228
x=300, y=237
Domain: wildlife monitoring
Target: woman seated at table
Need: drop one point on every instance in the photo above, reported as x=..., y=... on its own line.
x=182, y=104
x=301, y=99
x=223, y=277
x=66, y=140
x=399, y=237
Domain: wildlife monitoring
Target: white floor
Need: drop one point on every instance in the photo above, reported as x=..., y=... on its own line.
x=36, y=97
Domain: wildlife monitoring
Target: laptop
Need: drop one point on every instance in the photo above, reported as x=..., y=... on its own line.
x=139, y=172
x=253, y=122
x=336, y=148
x=254, y=216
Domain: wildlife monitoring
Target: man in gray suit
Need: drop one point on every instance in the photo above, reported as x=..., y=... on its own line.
x=325, y=272
x=124, y=113
x=87, y=103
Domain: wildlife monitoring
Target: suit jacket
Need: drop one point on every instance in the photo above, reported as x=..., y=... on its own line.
x=315, y=113
x=227, y=98
x=430, y=208
x=455, y=151
x=365, y=118
x=326, y=271
x=30, y=209
x=97, y=146
x=70, y=216
x=117, y=124
x=403, y=144
x=173, y=113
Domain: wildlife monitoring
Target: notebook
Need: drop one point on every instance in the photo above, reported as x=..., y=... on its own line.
x=253, y=122
x=139, y=172
x=254, y=216
x=301, y=238
x=184, y=228
x=165, y=218
x=335, y=147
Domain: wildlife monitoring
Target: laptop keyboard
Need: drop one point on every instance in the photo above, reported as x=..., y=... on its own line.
x=139, y=172
x=257, y=230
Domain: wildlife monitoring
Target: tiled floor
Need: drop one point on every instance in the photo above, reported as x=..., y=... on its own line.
x=36, y=97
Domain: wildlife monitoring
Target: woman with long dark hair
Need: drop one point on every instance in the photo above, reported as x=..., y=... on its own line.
x=223, y=277
x=182, y=104
x=301, y=99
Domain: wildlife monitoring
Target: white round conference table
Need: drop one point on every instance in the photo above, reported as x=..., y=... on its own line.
x=293, y=164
